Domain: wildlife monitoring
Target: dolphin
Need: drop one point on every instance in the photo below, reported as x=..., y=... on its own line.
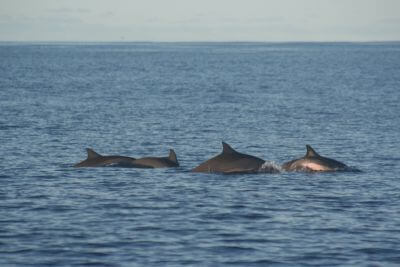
x=232, y=162
x=154, y=162
x=313, y=162
x=96, y=160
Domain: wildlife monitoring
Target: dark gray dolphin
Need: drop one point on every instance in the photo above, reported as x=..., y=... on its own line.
x=313, y=162
x=154, y=162
x=96, y=160
x=233, y=162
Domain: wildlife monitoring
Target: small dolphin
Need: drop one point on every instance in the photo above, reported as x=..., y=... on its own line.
x=232, y=162
x=96, y=160
x=154, y=162
x=313, y=162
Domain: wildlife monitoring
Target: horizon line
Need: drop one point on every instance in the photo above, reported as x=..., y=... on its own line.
x=194, y=41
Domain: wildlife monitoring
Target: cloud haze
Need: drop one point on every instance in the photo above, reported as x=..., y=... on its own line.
x=206, y=20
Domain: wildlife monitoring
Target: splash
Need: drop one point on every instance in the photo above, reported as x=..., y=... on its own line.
x=270, y=167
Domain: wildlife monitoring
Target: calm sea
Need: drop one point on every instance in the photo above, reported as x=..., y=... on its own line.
x=141, y=99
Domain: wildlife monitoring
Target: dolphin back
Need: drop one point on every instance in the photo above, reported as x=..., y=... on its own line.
x=229, y=161
x=312, y=162
x=157, y=162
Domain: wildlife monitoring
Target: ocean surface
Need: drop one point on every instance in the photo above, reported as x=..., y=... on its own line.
x=141, y=99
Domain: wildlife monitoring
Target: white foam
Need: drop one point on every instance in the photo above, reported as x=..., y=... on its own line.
x=270, y=166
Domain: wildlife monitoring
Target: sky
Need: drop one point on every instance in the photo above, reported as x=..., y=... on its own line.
x=200, y=20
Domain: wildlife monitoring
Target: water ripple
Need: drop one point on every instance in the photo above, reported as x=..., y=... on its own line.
x=140, y=99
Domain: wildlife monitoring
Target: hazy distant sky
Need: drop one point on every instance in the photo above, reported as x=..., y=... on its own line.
x=199, y=20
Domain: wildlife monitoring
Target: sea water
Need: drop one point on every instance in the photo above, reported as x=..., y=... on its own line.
x=141, y=99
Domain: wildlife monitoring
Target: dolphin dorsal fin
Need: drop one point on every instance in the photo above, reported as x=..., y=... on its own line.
x=227, y=148
x=92, y=154
x=311, y=152
x=172, y=156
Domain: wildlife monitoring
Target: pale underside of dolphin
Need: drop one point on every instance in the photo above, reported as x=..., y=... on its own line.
x=232, y=162
x=313, y=162
x=94, y=159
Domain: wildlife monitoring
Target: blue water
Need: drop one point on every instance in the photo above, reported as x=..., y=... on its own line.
x=140, y=99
